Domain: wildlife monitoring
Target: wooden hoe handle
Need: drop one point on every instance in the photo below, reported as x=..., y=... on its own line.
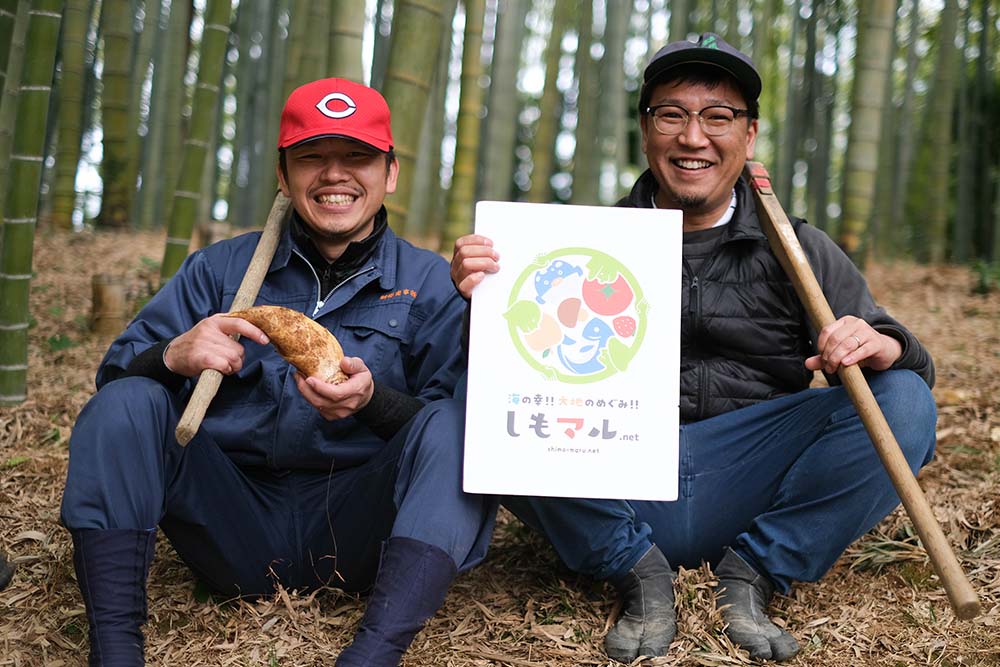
x=209, y=380
x=785, y=245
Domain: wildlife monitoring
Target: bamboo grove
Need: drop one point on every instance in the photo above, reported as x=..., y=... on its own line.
x=879, y=119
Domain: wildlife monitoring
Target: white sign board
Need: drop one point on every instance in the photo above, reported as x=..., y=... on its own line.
x=575, y=354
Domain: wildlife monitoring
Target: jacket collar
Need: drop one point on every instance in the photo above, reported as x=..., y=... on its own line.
x=383, y=256
x=743, y=226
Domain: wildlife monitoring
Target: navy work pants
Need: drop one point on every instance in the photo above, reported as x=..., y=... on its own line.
x=241, y=528
x=787, y=483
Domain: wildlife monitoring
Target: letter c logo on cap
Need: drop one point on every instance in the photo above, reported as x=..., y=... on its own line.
x=324, y=106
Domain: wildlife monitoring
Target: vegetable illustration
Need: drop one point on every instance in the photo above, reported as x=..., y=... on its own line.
x=607, y=298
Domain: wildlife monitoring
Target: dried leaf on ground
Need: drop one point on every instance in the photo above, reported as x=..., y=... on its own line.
x=880, y=605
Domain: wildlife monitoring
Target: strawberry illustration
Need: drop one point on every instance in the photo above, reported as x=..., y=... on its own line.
x=624, y=326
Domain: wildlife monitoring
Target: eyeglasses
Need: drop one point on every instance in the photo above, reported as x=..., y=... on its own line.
x=715, y=121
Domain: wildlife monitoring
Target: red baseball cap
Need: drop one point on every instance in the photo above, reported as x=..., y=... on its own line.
x=335, y=108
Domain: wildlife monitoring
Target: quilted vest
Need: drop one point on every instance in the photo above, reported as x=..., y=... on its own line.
x=744, y=336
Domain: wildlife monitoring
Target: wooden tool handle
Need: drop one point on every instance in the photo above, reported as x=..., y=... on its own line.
x=787, y=249
x=209, y=380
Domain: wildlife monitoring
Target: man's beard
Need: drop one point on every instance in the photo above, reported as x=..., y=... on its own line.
x=688, y=202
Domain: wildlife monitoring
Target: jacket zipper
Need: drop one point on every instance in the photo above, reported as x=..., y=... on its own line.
x=320, y=303
x=694, y=310
x=694, y=302
x=320, y=299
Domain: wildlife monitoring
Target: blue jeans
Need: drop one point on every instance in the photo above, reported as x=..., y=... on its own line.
x=787, y=483
x=239, y=527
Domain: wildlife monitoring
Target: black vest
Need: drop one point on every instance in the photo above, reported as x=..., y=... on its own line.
x=744, y=337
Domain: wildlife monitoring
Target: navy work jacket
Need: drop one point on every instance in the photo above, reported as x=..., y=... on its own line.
x=399, y=312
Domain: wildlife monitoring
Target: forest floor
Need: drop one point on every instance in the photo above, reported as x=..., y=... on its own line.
x=880, y=605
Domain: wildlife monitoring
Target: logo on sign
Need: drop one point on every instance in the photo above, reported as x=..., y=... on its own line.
x=577, y=315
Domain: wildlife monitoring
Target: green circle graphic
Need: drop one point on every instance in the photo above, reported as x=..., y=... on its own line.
x=577, y=315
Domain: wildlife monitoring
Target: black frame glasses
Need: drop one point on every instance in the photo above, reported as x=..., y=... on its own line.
x=713, y=126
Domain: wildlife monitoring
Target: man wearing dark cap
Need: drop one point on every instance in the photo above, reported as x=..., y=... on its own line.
x=776, y=478
x=290, y=480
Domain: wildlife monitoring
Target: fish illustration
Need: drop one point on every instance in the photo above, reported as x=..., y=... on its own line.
x=581, y=356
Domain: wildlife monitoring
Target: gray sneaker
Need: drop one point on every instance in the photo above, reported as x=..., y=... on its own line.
x=746, y=594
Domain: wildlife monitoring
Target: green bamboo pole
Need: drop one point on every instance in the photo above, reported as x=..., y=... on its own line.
x=74, y=48
x=927, y=199
x=905, y=140
x=496, y=156
x=241, y=199
x=8, y=12
x=268, y=111
x=826, y=87
x=543, y=145
x=968, y=140
x=262, y=179
x=347, y=27
x=586, y=155
x=417, y=35
x=461, y=198
x=148, y=210
x=791, y=128
x=12, y=86
x=317, y=49
x=271, y=111
x=21, y=206
x=116, y=78
x=615, y=117
x=383, y=41
x=298, y=26
x=983, y=112
x=994, y=250
x=645, y=33
x=679, y=23
x=145, y=43
x=186, y=196
x=171, y=116
x=872, y=63
x=941, y=136
x=425, y=221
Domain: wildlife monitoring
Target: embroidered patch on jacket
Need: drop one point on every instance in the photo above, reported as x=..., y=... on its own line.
x=398, y=293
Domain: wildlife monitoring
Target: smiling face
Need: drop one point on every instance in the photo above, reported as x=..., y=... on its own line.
x=337, y=186
x=695, y=172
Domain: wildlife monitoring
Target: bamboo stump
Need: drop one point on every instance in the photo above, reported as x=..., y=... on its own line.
x=210, y=232
x=109, y=304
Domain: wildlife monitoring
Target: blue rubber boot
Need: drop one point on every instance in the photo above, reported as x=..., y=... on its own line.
x=410, y=587
x=111, y=569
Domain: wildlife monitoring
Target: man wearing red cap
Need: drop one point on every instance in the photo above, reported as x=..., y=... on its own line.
x=290, y=480
x=776, y=479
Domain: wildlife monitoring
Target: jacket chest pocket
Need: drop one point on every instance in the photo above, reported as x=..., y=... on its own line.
x=380, y=339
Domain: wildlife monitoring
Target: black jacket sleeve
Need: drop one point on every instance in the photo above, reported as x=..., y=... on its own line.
x=848, y=294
